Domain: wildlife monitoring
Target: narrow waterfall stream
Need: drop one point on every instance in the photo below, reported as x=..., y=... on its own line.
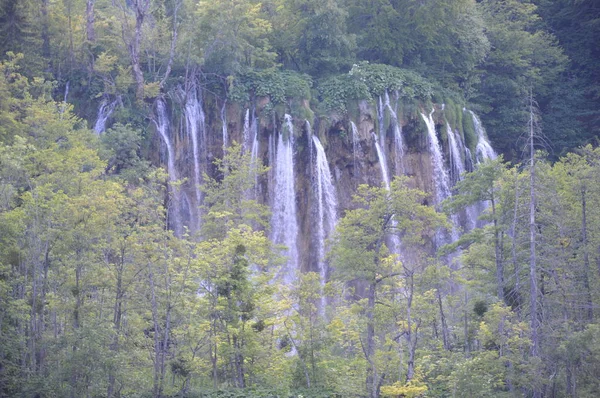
x=326, y=208
x=382, y=164
x=104, y=112
x=196, y=130
x=484, y=149
x=457, y=164
x=398, y=139
x=440, y=174
x=284, y=223
x=163, y=126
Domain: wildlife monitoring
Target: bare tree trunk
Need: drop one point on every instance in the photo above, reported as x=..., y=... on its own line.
x=516, y=267
x=498, y=255
x=90, y=20
x=532, y=243
x=370, y=346
x=586, y=257
x=156, y=388
x=117, y=315
x=411, y=338
x=45, y=32
x=173, y=44
x=140, y=9
x=445, y=332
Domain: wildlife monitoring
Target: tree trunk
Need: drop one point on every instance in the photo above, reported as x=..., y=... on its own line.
x=370, y=346
x=117, y=316
x=533, y=299
x=411, y=338
x=586, y=258
x=45, y=32
x=90, y=20
x=498, y=255
x=445, y=332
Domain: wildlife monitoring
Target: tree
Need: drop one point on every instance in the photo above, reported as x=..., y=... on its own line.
x=523, y=57
x=360, y=253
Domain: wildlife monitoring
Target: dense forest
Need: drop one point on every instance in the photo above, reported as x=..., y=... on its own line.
x=298, y=198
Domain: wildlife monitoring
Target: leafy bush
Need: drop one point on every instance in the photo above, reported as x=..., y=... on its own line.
x=365, y=81
x=272, y=83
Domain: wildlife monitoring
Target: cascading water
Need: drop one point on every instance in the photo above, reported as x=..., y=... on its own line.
x=384, y=172
x=163, y=127
x=309, y=138
x=398, y=139
x=326, y=208
x=457, y=165
x=271, y=171
x=196, y=130
x=224, y=124
x=382, y=131
x=440, y=175
x=469, y=164
x=253, y=133
x=106, y=109
x=355, y=144
x=393, y=242
x=246, y=132
x=284, y=222
x=484, y=149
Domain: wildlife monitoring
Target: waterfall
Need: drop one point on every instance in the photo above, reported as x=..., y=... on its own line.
x=66, y=91
x=398, y=140
x=457, y=165
x=309, y=138
x=246, y=132
x=284, y=222
x=469, y=164
x=440, y=175
x=253, y=133
x=106, y=109
x=484, y=149
x=224, y=124
x=355, y=144
x=163, y=127
x=382, y=164
x=271, y=171
x=393, y=242
x=382, y=131
x=326, y=208
x=196, y=129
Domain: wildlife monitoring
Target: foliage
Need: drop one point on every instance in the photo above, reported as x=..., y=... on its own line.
x=366, y=81
x=278, y=86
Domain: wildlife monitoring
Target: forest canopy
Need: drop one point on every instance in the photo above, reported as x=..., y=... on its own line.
x=492, y=290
